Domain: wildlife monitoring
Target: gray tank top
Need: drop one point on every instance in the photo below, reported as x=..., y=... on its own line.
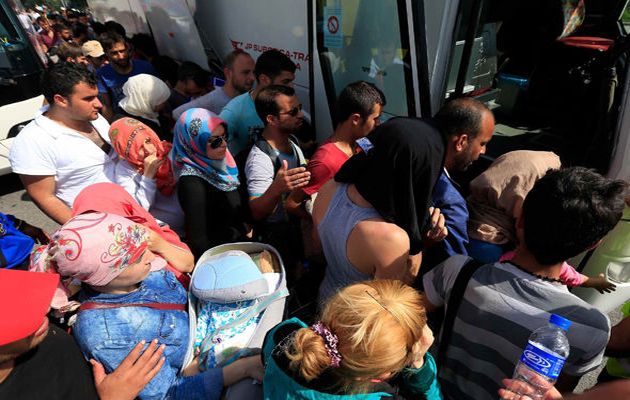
x=334, y=229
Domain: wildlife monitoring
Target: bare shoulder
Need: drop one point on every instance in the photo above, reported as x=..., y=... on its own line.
x=382, y=236
x=322, y=201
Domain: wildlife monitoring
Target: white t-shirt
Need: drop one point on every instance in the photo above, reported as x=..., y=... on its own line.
x=144, y=190
x=47, y=148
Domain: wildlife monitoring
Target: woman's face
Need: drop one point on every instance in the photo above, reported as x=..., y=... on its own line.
x=217, y=153
x=146, y=149
x=136, y=272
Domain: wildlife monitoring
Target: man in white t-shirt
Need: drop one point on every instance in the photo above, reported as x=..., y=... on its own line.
x=66, y=147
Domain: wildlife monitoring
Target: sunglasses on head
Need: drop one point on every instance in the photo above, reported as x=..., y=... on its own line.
x=215, y=141
x=294, y=111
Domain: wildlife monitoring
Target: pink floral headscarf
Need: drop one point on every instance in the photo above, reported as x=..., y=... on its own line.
x=93, y=248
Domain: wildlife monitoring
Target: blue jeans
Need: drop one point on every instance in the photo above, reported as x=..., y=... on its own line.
x=108, y=335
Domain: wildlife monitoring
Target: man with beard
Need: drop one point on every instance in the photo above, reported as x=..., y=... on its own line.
x=274, y=167
x=238, y=68
x=112, y=77
x=467, y=126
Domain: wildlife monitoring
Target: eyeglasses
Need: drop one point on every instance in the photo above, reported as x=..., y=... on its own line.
x=293, y=112
x=216, y=141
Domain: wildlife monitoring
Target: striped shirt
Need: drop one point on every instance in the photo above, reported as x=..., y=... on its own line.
x=502, y=306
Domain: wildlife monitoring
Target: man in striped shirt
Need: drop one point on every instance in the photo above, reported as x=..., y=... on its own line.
x=568, y=211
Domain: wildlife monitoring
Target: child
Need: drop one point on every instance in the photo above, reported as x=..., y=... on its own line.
x=570, y=277
x=371, y=342
x=127, y=296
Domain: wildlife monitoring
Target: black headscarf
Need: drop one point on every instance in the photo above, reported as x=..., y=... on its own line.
x=397, y=174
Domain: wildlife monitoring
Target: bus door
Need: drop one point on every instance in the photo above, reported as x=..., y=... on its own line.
x=373, y=41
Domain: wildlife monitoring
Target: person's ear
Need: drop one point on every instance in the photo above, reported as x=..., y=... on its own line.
x=461, y=142
x=271, y=119
x=264, y=80
x=60, y=100
x=355, y=119
x=227, y=73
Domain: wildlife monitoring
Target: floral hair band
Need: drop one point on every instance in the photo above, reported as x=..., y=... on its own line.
x=330, y=341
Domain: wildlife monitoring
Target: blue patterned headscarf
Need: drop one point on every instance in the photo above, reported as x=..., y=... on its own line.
x=190, y=137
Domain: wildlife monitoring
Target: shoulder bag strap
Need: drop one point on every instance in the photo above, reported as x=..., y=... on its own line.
x=90, y=305
x=454, y=301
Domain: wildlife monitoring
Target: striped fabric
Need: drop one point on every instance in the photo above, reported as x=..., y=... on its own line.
x=502, y=305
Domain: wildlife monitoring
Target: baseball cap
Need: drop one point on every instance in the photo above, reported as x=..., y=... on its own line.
x=24, y=301
x=92, y=48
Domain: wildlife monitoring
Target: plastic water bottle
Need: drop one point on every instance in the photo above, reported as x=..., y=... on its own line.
x=544, y=356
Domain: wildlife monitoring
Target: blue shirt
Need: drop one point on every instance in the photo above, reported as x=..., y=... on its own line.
x=108, y=335
x=242, y=122
x=111, y=82
x=447, y=198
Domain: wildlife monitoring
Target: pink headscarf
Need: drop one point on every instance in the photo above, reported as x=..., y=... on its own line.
x=93, y=248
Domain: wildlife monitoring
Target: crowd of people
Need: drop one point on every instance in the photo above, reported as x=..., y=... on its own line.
x=146, y=166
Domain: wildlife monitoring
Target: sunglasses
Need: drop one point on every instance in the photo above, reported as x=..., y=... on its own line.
x=294, y=111
x=216, y=141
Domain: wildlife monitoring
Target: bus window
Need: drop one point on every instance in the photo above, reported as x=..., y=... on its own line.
x=357, y=40
x=19, y=64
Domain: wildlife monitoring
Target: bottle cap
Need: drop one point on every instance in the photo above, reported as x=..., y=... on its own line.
x=560, y=322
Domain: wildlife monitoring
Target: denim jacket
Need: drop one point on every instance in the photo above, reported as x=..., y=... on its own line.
x=108, y=335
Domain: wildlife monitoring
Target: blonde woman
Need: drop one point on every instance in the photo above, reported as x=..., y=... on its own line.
x=371, y=342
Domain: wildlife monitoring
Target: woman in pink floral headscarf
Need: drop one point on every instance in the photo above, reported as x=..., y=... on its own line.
x=127, y=296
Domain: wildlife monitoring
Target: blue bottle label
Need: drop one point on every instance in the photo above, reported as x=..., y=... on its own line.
x=542, y=361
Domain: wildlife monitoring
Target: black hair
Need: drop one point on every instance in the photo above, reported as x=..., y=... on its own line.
x=60, y=27
x=61, y=79
x=166, y=68
x=145, y=45
x=461, y=116
x=266, y=100
x=358, y=97
x=192, y=71
x=98, y=28
x=229, y=59
x=115, y=27
x=79, y=29
x=109, y=39
x=272, y=63
x=67, y=50
x=569, y=210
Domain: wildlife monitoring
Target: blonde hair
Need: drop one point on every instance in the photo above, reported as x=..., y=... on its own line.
x=377, y=323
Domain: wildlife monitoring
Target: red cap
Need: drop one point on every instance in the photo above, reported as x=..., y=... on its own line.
x=24, y=301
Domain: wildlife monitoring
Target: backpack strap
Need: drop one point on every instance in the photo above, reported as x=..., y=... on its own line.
x=454, y=301
x=266, y=148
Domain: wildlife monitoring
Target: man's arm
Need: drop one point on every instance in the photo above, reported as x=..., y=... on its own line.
x=286, y=180
x=294, y=204
x=42, y=190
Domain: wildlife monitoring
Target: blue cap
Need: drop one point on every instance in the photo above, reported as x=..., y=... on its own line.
x=560, y=322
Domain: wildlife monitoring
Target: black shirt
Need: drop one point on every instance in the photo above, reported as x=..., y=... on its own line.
x=55, y=369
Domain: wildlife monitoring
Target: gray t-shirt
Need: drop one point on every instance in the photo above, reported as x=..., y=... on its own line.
x=502, y=306
x=213, y=101
x=260, y=173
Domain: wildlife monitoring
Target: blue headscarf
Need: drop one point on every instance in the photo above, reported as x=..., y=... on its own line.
x=190, y=137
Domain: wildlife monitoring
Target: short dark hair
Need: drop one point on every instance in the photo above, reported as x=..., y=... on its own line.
x=272, y=63
x=67, y=50
x=144, y=44
x=60, y=27
x=79, y=29
x=109, y=39
x=98, y=28
x=358, y=97
x=229, y=59
x=569, y=210
x=61, y=79
x=462, y=115
x=266, y=100
x=166, y=68
x=115, y=27
x=190, y=71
